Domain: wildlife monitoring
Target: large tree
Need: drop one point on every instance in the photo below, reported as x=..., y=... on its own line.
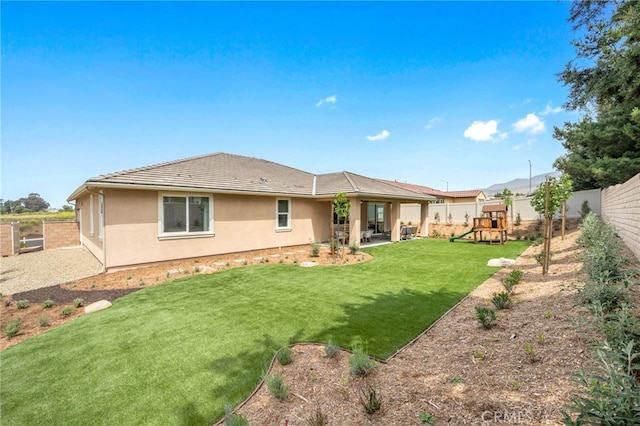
x=603, y=147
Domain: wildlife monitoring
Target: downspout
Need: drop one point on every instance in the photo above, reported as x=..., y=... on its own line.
x=313, y=188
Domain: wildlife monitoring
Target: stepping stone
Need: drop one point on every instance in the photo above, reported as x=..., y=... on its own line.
x=97, y=306
x=308, y=264
x=501, y=262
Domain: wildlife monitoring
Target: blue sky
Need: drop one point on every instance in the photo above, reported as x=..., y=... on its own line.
x=433, y=93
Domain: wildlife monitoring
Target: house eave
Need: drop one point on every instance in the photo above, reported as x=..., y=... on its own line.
x=92, y=185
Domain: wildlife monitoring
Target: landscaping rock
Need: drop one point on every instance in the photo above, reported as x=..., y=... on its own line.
x=308, y=264
x=501, y=262
x=221, y=263
x=243, y=261
x=97, y=306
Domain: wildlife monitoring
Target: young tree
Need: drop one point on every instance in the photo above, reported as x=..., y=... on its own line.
x=342, y=207
x=603, y=147
x=547, y=200
x=507, y=197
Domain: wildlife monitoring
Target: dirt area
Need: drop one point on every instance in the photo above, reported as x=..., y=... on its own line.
x=454, y=373
x=117, y=284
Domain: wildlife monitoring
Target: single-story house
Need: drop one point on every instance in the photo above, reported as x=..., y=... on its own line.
x=223, y=203
x=468, y=196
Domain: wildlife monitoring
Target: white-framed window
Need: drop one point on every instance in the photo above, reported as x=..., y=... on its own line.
x=100, y=216
x=185, y=215
x=91, y=230
x=283, y=213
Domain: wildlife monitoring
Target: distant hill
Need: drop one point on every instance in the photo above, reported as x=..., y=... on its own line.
x=520, y=185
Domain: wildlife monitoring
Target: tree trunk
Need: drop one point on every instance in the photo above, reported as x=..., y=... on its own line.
x=547, y=230
x=564, y=214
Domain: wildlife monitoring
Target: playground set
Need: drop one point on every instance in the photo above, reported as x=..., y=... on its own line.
x=491, y=228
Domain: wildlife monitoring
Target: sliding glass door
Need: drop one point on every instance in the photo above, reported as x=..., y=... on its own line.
x=375, y=218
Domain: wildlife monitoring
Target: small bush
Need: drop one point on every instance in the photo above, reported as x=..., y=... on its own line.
x=516, y=275
x=13, y=328
x=426, y=417
x=22, y=304
x=531, y=352
x=315, y=249
x=276, y=386
x=331, y=349
x=353, y=248
x=231, y=419
x=612, y=392
x=318, y=418
x=47, y=304
x=485, y=316
x=501, y=300
x=7, y=302
x=78, y=302
x=369, y=397
x=44, y=321
x=68, y=310
x=360, y=364
x=284, y=356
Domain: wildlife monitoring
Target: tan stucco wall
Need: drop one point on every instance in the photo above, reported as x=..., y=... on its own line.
x=10, y=238
x=240, y=223
x=620, y=206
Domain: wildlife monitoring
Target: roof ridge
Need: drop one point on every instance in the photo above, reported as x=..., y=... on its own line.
x=351, y=182
x=392, y=183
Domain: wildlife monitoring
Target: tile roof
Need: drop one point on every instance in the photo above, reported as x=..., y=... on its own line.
x=435, y=192
x=235, y=173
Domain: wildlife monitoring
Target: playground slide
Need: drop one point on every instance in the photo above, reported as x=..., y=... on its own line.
x=452, y=239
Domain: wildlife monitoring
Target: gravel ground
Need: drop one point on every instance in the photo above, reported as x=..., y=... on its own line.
x=30, y=271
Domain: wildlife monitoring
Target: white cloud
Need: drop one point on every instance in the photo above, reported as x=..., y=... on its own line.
x=432, y=122
x=328, y=100
x=550, y=110
x=481, y=131
x=380, y=136
x=530, y=124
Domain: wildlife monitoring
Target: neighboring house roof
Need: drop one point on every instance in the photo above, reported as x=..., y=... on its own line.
x=222, y=172
x=434, y=192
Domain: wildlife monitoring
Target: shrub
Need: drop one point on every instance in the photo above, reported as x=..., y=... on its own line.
x=485, y=316
x=331, y=349
x=284, y=356
x=360, y=364
x=22, y=304
x=531, y=352
x=613, y=394
x=276, y=386
x=318, y=418
x=43, y=321
x=437, y=217
x=315, y=249
x=78, y=302
x=231, y=419
x=47, y=304
x=369, y=397
x=501, y=300
x=518, y=220
x=353, y=248
x=68, y=310
x=426, y=417
x=516, y=275
x=7, y=302
x=13, y=328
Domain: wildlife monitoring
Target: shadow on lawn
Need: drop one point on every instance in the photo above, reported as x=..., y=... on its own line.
x=239, y=375
x=385, y=322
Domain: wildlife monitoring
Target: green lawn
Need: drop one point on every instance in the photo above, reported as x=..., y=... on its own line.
x=176, y=353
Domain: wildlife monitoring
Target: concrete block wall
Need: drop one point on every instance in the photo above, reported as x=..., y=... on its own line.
x=60, y=234
x=10, y=238
x=620, y=205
